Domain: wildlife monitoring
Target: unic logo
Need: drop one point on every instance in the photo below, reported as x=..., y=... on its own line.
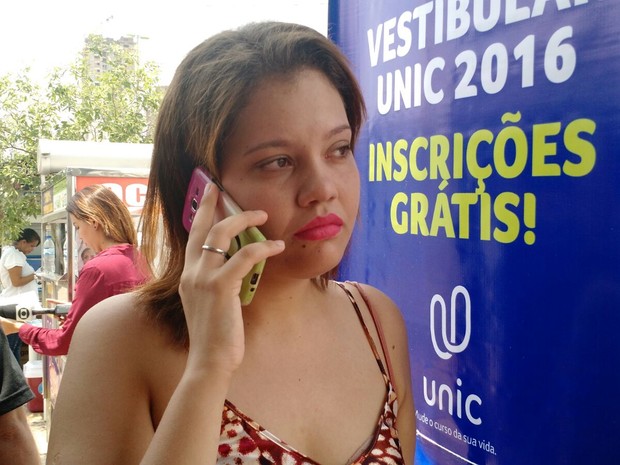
x=450, y=398
x=449, y=343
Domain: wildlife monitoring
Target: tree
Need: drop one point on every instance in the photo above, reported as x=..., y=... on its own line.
x=116, y=102
x=24, y=118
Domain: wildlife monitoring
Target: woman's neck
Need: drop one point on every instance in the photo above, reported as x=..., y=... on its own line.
x=106, y=244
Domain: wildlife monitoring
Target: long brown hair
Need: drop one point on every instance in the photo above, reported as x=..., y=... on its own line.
x=100, y=204
x=210, y=87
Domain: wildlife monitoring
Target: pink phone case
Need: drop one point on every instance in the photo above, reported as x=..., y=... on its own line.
x=195, y=191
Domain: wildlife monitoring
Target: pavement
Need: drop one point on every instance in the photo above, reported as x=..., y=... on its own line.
x=39, y=431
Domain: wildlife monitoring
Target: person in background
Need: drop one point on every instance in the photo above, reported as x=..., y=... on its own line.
x=87, y=254
x=312, y=370
x=17, y=277
x=104, y=223
x=17, y=445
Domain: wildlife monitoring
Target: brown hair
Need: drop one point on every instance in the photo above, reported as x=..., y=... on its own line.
x=100, y=204
x=210, y=87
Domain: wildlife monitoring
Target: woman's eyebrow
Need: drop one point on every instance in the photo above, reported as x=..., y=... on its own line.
x=267, y=144
x=339, y=129
x=275, y=143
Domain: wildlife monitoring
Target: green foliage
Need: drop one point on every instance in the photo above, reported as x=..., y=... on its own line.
x=117, y=104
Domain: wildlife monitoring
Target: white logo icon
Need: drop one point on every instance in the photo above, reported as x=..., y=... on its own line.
x=449, y=341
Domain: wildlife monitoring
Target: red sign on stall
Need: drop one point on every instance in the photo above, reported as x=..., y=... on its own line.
x=132, y=191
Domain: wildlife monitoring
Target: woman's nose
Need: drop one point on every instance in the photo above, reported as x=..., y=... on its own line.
x=318, y=184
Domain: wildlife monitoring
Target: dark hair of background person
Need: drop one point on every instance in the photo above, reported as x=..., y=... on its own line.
x=29, y=235
x=210, y=88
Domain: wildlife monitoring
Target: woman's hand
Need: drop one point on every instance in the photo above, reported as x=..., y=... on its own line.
x=210, y=284
x=10, y=326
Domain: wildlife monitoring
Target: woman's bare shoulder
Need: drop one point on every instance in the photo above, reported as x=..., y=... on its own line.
x=396, y=337
x=384, y=307
x=392, y=325
x=114, y=313
x=116, y=322
x=113, y=341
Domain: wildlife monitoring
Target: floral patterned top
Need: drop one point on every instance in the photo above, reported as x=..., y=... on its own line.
x=243, y=441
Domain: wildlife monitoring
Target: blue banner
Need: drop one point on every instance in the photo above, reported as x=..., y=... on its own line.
x=491, y=183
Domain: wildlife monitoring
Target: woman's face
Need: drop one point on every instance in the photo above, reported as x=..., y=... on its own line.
x=87, y=232
x=26, y=247
x=290, y=155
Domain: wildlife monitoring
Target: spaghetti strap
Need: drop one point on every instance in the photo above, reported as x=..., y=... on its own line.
x=377, y=322
x=369, y=338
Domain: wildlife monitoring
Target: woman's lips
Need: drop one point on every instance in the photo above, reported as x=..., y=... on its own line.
x=321, y=228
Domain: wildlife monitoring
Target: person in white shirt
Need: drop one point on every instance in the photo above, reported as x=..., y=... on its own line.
x=17, y=275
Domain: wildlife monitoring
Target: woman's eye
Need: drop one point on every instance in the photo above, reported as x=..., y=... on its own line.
x=276, y=163
x=343, y=151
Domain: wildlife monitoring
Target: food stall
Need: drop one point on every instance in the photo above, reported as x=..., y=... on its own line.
x=66, y=167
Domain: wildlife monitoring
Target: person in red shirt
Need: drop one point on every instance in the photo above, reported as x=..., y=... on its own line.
x=105, y=225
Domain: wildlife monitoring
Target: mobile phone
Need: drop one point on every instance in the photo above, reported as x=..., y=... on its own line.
x=229, y=207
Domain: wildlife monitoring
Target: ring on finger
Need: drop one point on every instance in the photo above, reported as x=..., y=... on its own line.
x=216, y=250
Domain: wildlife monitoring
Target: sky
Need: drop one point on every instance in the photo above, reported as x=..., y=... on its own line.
x=44, y=34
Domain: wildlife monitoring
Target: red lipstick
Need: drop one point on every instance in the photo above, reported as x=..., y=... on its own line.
x=321, y=228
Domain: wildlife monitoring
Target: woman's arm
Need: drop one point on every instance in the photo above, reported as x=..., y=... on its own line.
x=102, y=413
x=402, y=371
x=17, y=445
x=189, y=430
x=10, y=326
x=148, y=401
x=114, y=381
x=90, y=290
x=17, y=280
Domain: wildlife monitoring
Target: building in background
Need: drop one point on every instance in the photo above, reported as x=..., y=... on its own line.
x=100, y=62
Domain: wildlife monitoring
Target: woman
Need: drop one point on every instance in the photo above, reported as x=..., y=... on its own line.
x=104, y=223
x=16, y=274
x=300, y=375
x=87, y=254
x=18, y=277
